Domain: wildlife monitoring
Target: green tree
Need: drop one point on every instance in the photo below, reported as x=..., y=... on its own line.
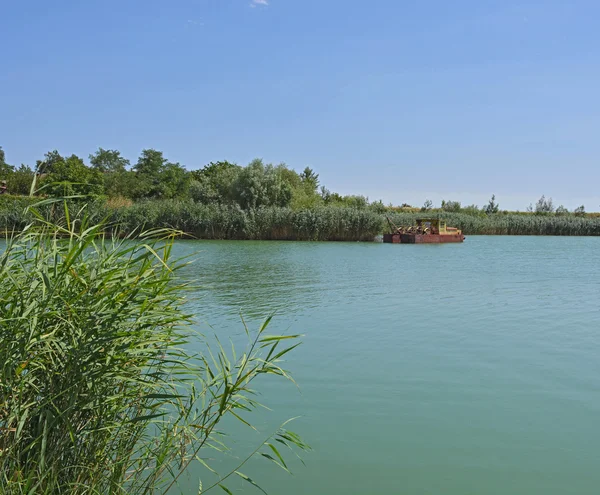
x=492, y=207
x=109, y=161
x=427, y=206
x=325, y=194
x=355, y=201
x=579, y=211
x=70, y=177
x=332, y=198
x=175, y=181
x=159, y=178
x=261, y=185
x=19, y=181
x=561, y=211
x=544, y=206
x=151, y=162
x=378, y=207
x=47, y=165
x=214, y=182
x=120, y=184
x=303, y=187
x=451, y=206
x=5, y=168
x=310, y=179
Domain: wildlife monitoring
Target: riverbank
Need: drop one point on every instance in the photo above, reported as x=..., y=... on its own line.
x=330, y=223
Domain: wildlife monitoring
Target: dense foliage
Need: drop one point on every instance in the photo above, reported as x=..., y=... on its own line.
x=223, y=200
x=153, y=176
x=97, y=392
x=324, y=223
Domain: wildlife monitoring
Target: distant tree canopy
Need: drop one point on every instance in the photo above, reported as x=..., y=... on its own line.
x=156, y=177
x=257, y=185
x=261, y=185
x=452, y=206
x=109, y=161
x=5, y=168
x=492, y=207
x=71, y=177
x=544, y=206
x=561, y=211
x=153, y=176
x=47, y=165
x=214, y=182
x=310, y=179
x=18, y=179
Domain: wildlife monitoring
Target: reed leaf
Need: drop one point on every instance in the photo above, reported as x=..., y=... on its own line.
x=98, y=393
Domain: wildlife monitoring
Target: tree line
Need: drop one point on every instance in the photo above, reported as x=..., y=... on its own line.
x=154, y=177
x=543, y=206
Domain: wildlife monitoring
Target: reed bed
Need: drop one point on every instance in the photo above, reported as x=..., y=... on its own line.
x=513, y=224
x=98, y=394
x=327, y=223
x=271, y=223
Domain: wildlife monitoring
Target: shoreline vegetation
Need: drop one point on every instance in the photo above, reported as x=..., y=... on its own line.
x=223, y=200
x=99, y=388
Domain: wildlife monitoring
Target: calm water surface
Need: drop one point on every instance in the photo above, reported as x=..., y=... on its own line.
x=456, y=369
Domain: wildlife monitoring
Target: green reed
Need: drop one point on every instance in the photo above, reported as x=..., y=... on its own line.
x=98, y=392
x=513, y=224
x=272, y=223
x=325, y=223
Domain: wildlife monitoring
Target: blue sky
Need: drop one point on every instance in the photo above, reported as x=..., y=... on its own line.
x=397, y=100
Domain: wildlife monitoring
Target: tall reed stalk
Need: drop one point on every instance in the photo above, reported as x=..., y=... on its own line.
x=99, y=393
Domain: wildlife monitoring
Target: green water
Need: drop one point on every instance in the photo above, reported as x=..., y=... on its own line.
x=455, y=369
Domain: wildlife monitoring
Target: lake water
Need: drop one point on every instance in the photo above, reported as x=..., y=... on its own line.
x=452, y=369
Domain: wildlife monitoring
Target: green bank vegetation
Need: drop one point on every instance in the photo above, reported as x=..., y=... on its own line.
x=98, y=391
x=223, y=200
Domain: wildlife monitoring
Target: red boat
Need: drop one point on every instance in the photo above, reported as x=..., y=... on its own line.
x=426, y=231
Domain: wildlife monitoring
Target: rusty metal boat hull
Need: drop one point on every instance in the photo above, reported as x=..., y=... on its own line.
x=422, y=238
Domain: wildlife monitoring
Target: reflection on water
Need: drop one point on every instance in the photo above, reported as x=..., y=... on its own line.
x=245, y=277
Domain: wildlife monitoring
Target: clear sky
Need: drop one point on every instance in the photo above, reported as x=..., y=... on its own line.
x=393, y=99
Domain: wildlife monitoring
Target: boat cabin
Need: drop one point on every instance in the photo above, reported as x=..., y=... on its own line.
x=427, y=230
x=436, y=226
